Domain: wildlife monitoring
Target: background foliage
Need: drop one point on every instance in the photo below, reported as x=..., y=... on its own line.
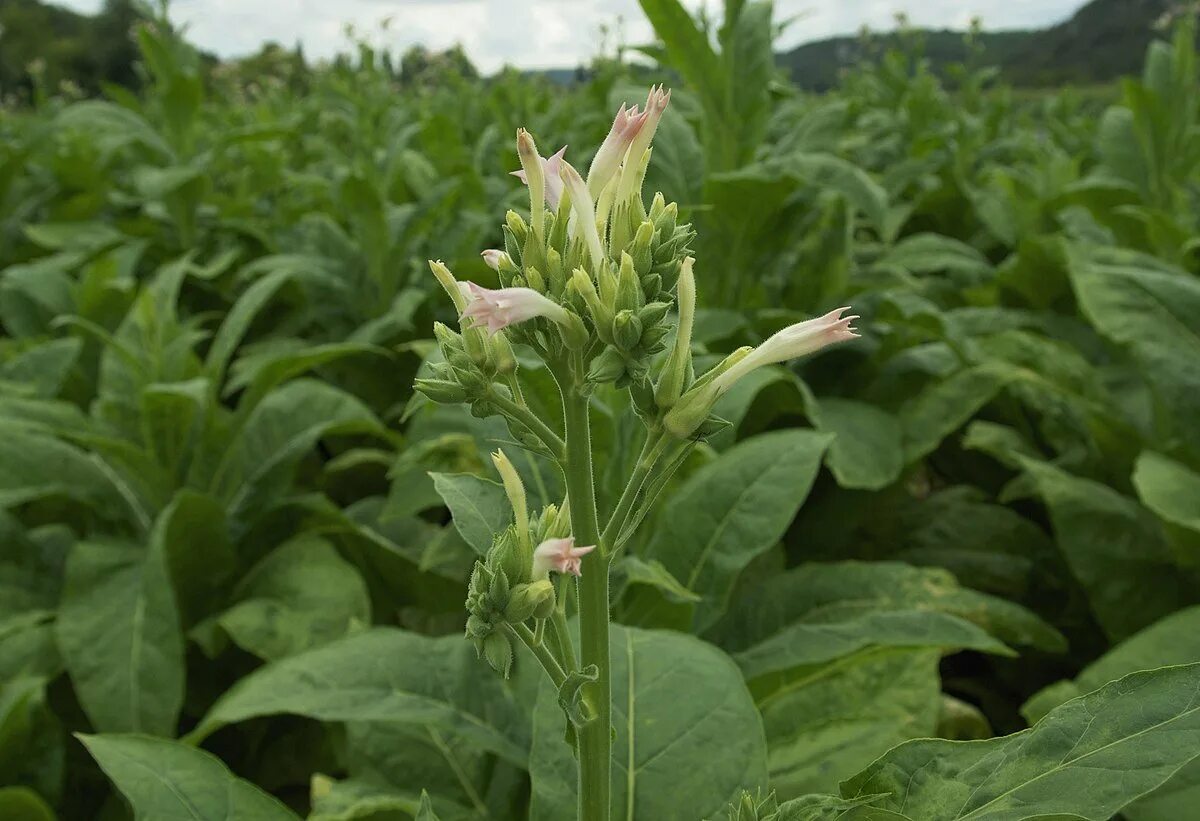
x=229, y=579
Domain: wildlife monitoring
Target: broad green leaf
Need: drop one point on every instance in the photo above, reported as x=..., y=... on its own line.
x=687, y=736
x=826, y=722
x=832, y=808
x=279, y=432
x=732, y=510
x=237, y=321
x=169, y=781
x=42, y=369
x=1115, y=548
x=302, y=595
x=479, y=507
x=816, y=613
x=946, y=406
x=1154, y=312
x=119, y=634
x=33, y=466
x=866, y=452
x=384, y=674
x=1137, y=727
x=831, y=173
x=1168, y=488
x=1174, y=639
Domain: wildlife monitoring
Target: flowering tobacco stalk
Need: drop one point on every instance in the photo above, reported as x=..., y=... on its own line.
x=588, y=285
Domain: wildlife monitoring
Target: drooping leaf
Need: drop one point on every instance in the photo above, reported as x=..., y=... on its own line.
x=384, y=674
x=169, y=781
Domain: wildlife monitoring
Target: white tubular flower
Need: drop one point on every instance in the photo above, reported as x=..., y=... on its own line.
x=499, y=308
x=532, y=166
x=794, y=341
x=585, y=212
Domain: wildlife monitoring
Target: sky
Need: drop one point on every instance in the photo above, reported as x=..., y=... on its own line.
x=543, y=33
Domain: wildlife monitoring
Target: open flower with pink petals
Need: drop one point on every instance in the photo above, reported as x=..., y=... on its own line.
x=559, y=555
x=501, y=307
x=551, y=166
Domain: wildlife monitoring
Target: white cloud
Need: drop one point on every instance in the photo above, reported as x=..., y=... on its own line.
x=543, y=33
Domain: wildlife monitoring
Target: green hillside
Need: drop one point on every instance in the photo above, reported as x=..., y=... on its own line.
x=1102, y=41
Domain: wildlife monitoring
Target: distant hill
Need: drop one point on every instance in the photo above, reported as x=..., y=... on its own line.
x=1102, y=41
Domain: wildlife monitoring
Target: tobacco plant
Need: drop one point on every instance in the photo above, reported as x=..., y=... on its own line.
x=588, y=286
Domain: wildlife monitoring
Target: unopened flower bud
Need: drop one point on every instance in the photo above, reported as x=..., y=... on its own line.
x=574, y=333
x=518, y=229
x=499, y=653
x=514, y=488
x=502, y=354
x=678, y=366
x=641, y=249
x=530, y=601
x=607, y=366
x=441, y=391
x=627, y=330
x=629, y=288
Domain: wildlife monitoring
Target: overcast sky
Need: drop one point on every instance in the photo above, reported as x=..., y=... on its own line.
x=543, y=33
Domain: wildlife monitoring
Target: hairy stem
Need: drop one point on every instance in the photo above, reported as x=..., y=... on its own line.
x=538, y=648
x=527, y=418
x=595, y=741
x=647, y=459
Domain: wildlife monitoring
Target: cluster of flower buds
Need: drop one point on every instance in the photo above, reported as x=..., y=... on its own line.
x=753, y=807
x=593, y=271
x=511, y=585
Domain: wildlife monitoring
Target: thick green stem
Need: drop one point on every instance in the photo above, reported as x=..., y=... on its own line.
x=595, y=741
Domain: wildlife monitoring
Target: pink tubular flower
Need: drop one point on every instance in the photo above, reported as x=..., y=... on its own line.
x=793, y=341
x=496, y=309
x=550, y=169
x=607, y=161
x=559, y=555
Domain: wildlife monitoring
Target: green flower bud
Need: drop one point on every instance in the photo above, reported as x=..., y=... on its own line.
x=642, y=394
x=556, y=273
x=508, y=555
x=642, y=248
x=574, y=333
x=513, y=248
x=534, y=279
x=601, y=313
x=441, y=391
x=516, y=225
x=502, y=354
x=471, y=380
x=656, y=207
x=627, y=330
x=499, y=653
x=530, y=601
x=665, y=221
x=477, y=627
x=653, y=313
x=607, y=366
x=652, y=285
x=629, y=288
